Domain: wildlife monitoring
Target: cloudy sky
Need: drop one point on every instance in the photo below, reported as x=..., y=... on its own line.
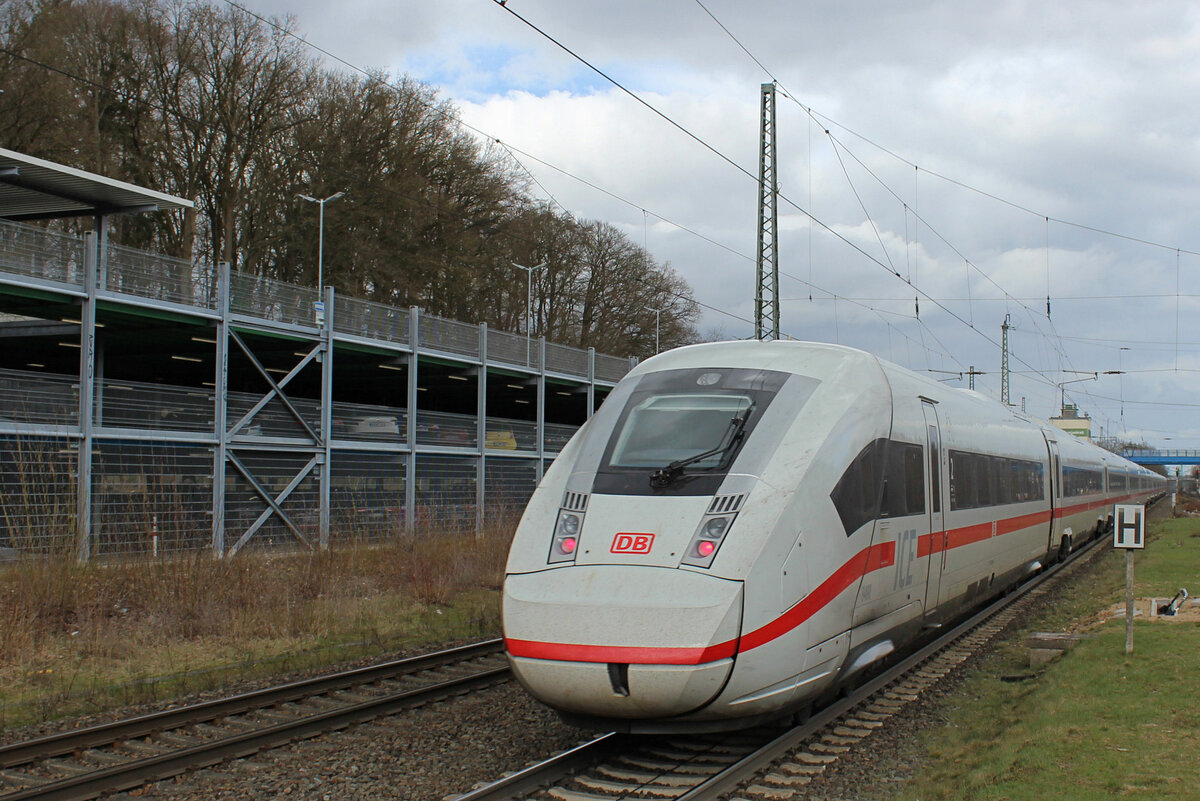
x=979, y=158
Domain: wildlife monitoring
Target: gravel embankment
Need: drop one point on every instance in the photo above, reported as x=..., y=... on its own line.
x=425, y=754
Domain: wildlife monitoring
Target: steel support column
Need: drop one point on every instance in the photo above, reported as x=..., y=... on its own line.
x=591, y=387
x=326, y=466
x=93, y=258
x=220, y=412
x=410, y=478
x=541, y=408
x=481, y=429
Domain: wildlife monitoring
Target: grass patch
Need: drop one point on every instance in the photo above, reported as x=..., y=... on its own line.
x=84, y=638
x=1095, y=723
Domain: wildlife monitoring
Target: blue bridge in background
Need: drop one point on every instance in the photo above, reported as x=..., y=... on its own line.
x=1149, y=456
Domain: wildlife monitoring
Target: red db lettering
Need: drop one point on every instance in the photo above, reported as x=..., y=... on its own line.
x=627, y=542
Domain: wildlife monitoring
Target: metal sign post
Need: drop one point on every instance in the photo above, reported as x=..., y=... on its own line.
x=1129, y=533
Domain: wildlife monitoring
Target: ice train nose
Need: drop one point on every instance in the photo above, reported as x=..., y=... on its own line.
x=621, y=641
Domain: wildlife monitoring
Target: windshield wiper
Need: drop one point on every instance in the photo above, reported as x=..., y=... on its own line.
x=665, y=476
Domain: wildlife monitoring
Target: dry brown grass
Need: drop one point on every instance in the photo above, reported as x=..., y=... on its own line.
x=80, y=637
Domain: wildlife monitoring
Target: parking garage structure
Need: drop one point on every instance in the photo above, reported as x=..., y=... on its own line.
x=150, y=404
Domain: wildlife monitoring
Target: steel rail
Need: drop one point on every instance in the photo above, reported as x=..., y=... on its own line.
x=70, y=742
x=735, y=775
x=539, y=776
x=154, y=768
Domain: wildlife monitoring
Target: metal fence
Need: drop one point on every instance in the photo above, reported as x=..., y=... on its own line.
x=150, y=275
x=370, y=320
x=568, y=360
x=445, y=491
x=38, y=398
x=508, y=484
x=269, y=299
x=36, y=252
x=450, y=336
x=366, y=496
x=149, y=498
x=135, y=404
x=37, y=494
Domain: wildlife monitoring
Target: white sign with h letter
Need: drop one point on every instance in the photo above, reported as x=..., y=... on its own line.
x=1129, y=530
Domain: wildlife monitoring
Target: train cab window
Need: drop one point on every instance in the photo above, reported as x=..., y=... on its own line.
x=680, y=431
x=664, y=428
x=856, y=496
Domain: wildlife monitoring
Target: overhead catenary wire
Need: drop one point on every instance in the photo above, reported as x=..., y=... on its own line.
x=827, y=123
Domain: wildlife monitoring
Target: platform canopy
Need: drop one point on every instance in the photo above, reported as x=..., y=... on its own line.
x=34, y=189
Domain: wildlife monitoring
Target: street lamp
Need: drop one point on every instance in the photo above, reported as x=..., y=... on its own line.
x=321, y=234
x=529, y=271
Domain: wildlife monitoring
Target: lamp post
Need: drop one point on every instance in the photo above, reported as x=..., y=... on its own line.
x=529, y=271
x=321, y=235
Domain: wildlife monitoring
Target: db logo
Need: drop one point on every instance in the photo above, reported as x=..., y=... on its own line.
x=632, y=543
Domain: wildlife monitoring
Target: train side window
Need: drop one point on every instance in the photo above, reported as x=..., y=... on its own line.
x=856, y=496
x=914, y=479
x=935, y=471
x=904, y=487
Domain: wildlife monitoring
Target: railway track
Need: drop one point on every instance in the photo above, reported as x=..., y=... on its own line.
x=118, y=756
x=766, y=764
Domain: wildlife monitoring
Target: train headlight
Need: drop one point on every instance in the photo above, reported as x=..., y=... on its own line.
x=566, y=536
x=707, y=540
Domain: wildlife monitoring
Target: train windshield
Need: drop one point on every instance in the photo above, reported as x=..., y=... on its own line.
x=681, y=430
x=668, y=428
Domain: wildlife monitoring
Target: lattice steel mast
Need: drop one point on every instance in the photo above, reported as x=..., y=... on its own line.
x=766, y=295
x=1004, y=394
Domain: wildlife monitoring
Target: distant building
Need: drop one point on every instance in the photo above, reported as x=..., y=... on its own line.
x=1071, y=421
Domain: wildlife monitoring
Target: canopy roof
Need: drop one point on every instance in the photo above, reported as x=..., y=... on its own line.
x=34, y=189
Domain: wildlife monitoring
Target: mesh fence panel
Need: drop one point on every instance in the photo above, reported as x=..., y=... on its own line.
x=152, y=275
x=366, y=496
x=611, y=368
x=38, y=253
x=37, y=494
x=558, y=435
x=243, y=505
x=143, y=490
x=132, y=404
x=368, y=422
x=371, y=320
x=511, y=349
x=565, y=359
x=445, y=493
x=508, y=483
x=443, y=428
x=27, y=397
x=274, y=419
x=438, y=333
x=511, y=435
x=272, y=300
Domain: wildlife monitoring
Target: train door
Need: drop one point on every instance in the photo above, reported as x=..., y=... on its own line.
x=1055, y=489
x=937, y=526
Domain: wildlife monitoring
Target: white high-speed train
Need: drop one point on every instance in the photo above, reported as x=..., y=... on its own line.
x=744, y=527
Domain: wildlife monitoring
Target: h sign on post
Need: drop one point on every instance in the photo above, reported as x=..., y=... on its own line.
x=1129, y=530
